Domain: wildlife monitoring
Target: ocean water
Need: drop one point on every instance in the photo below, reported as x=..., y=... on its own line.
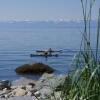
x=16, y=45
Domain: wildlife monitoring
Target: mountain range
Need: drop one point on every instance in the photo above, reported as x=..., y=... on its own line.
x=44, y=24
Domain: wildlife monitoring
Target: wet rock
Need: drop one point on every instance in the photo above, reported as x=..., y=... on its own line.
x=35, y=68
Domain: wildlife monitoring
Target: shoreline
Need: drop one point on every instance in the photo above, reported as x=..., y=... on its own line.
x=31, y=89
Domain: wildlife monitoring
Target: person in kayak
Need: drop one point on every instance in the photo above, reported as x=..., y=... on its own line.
x=45, y=53
x=48, y=52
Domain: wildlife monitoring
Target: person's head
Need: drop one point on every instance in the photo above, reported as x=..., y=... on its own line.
x=50, y=49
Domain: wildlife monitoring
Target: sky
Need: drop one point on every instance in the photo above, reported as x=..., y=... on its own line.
x=39, y=10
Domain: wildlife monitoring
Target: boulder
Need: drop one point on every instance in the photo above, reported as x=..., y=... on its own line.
x=19, y=92
x=36, y=68
x=49, y=83
x=37, y=94
x=5, y=84
x=23, y=82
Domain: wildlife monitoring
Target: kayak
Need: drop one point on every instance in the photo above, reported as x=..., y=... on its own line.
x=42, y=55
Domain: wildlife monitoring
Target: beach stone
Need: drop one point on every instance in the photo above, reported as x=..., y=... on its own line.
x=2, y=93
x=34, y=98
x=23, y=82
x=45, y=91
x=6, y=95
x=32, y=84
x=33, y=91
x=5, y=89
x=9, y=95
x=35, y=68
x=5, y=84
x=50, y=80
x=19, y=92
x=14, y=87
x=29, y=88
x=57, y=95
x=48, y=83
x=37, y=94
x=29, y=93
x=42, y=89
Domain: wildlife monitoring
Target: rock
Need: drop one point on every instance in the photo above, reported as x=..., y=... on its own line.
x=5, y=89
x=2, y=96
x=33, y=91
x=29, y=88
x=23, y=82
x=13, y=87
x=5, y=84
x=35, y=68
x=6, y=96
x=34, y=98
x=4, y=92
x=58, y=88
x=32, y=84
x=48, y=83
x=45, y=91
x=37, y=94
x=57, y=95
x=29, y=93
x=46, y=76
x=47, y=86
x=19, y=92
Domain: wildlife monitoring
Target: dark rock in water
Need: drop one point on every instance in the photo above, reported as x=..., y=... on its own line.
x=5, y=84
x=36, y=68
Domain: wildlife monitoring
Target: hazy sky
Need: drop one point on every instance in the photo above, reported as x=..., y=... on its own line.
x=42, y=9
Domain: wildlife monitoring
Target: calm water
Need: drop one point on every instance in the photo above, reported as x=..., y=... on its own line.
x=16, y=45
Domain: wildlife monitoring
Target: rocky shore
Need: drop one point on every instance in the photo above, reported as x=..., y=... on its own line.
x=28, y=89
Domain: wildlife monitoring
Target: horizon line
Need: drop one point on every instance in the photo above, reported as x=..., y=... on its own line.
x=45, y=20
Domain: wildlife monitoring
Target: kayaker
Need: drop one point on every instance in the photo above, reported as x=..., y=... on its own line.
x=50, y=51
x=45, y=53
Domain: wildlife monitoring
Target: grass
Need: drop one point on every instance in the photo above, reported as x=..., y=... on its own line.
x=84, y=82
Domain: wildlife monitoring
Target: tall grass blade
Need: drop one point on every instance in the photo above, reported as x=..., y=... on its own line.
x=98, y=32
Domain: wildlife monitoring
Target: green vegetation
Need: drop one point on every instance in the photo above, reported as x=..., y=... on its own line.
x=84, y=82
